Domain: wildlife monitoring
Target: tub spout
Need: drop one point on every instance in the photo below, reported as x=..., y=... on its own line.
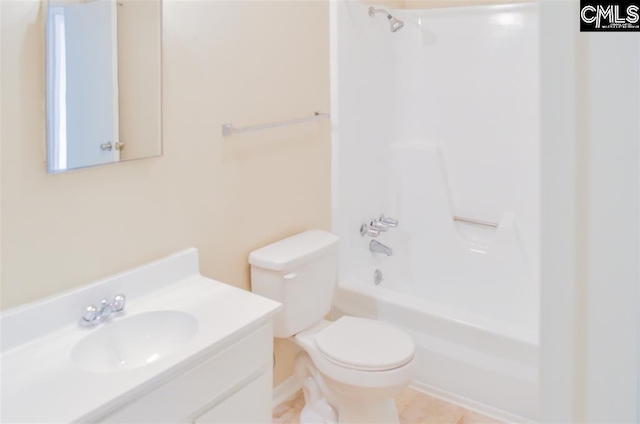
x=377, y=247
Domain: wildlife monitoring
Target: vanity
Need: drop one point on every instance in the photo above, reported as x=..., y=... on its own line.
x=183, y=349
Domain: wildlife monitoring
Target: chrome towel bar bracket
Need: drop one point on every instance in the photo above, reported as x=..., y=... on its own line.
x=229, y=129
x=475, y=221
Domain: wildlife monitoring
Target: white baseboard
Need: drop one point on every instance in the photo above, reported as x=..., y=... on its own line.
x=469, y=404
x=285, y=390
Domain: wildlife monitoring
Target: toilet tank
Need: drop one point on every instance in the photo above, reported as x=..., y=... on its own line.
x=301, y=272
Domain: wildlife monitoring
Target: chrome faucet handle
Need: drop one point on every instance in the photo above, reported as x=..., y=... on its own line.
x=105, y=309
x=90, y=314
x=391, y=222
x=365, y=230
x=379, y=225
x=118, y=303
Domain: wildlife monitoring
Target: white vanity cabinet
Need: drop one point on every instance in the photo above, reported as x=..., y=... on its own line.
x=186, y=349
x=248, y=405
x=233, y=385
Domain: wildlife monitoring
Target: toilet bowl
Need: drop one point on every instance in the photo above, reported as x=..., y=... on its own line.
x=359, y=366
x=351, y=369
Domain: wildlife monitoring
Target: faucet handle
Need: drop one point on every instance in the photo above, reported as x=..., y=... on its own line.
x=365, y=230
x=391, y=222
x=118, y=302
x=379, y=225
x=105, y=309
x=90, y=313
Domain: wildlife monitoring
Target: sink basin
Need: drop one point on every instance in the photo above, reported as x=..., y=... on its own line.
x=134, y=341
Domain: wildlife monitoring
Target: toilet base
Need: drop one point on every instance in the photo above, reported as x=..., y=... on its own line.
x=309, y=416
x=330, y=402
x=316, y=409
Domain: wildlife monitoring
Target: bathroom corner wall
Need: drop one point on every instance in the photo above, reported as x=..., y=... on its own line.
x=223, y=61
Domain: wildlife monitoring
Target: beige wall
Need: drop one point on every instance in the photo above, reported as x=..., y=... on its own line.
x=140, y=77
x=224, y=61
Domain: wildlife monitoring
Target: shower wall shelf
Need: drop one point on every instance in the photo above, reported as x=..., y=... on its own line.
x=229, y=129
x=475, y=221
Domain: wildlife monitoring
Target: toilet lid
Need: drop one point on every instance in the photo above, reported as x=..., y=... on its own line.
x=365, y=344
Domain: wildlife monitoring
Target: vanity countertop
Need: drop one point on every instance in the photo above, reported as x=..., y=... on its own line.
x=41, y=383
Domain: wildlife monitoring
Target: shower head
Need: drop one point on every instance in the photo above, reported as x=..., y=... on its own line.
x=395, y=23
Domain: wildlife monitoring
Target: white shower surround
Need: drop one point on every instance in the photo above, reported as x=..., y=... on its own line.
x=441, y=118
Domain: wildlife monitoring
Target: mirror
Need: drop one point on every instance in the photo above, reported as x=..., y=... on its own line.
x=103, y=82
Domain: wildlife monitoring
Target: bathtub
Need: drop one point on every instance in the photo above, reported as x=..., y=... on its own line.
x=468, y=294
x=477, y=362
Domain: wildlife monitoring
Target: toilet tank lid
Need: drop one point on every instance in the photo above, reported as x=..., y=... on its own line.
x=295, y=250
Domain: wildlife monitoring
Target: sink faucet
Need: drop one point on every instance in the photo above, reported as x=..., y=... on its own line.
x=376, y=246
x=94, y=315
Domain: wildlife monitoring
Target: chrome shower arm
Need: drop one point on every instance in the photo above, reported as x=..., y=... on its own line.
x=373, y=11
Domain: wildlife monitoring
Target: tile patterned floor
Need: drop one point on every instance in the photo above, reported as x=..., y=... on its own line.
x=414, y=408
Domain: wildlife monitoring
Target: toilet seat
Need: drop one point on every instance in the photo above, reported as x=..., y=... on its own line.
x=344, y=373
x=365, y=345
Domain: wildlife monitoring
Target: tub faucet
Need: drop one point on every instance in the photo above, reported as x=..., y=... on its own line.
x=376, y=246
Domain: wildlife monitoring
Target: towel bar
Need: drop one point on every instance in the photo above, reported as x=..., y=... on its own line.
x=229, y=129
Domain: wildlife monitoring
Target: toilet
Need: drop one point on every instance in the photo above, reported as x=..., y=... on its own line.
x=351, y=369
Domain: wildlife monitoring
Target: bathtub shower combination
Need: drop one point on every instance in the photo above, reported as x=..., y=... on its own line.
x=436, y=125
